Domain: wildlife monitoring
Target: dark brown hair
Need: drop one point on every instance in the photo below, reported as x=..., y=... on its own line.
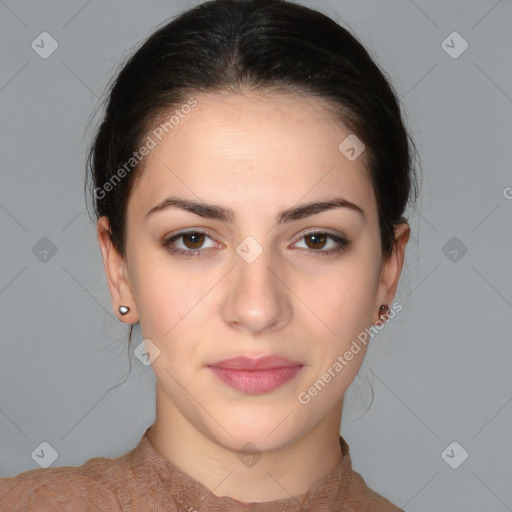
x=268, y=45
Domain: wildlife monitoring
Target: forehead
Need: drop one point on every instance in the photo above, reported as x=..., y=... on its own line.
x=256, y=149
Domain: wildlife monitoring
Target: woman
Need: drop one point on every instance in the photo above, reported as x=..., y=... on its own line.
x=250, y=178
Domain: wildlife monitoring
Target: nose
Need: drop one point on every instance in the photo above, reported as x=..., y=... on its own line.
x=257, y=300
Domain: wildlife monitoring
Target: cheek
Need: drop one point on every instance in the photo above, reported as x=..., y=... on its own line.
x=171, y=305
x=344, y=298
x=343, y=303
x=158, y=292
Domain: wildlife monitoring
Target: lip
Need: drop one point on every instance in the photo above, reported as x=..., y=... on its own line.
x=256, y=375
x=255, y=363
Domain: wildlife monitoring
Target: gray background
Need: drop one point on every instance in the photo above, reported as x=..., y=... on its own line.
x=440, y=369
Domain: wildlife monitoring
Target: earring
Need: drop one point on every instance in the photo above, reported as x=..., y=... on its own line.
x=124, y=310
x=383, y=311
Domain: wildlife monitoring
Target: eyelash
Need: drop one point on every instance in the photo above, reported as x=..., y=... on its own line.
x=343, y=244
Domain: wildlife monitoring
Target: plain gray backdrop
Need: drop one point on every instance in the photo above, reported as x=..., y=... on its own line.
x=440, y=369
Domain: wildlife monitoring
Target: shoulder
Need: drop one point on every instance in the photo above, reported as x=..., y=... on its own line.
x=361, y=498
x=91, y=487
x=357, y=496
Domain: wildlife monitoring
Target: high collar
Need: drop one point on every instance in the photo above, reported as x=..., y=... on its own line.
x=188, y=494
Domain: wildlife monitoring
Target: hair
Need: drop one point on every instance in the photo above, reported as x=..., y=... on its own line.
x=264, y=45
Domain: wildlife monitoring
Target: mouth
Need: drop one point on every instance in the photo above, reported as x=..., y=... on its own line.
x=256, y=375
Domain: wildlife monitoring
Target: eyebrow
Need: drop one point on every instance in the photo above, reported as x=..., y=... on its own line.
x=217, y=212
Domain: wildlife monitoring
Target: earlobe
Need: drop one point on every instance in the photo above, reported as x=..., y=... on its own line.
x=392, y=268
x=115, y=270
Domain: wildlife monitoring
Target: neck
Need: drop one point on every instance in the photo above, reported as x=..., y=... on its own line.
x=312, y=456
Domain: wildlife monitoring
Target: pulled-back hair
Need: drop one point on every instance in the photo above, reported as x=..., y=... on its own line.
x=267, y=45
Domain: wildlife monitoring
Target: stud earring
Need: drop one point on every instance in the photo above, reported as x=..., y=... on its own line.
x=383, y=311
x=124, y=310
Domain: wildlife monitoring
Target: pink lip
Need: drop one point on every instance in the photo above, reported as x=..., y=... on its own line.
x=258, y=375
x=259, y=363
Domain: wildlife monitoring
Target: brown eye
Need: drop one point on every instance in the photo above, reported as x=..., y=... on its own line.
x=193, y=239
x=317, y=240
x=323, y=243
x=189, y=243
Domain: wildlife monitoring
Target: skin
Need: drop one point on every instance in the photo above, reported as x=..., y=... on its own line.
x=257, y=154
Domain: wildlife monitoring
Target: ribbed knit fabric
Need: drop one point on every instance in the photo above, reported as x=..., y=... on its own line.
x=143, y=480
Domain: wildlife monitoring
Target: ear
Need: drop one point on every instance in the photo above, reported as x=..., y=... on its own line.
x=117, y=274
x=392, y=268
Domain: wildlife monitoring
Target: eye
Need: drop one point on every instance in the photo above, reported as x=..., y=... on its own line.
x=317, y=241
x=191, y=243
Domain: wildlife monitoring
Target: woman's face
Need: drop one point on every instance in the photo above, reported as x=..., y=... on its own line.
x=261, y=284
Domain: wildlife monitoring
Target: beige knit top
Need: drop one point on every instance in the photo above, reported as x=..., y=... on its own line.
x=144, y=480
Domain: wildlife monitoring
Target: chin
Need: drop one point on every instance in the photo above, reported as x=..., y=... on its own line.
x=258, y=432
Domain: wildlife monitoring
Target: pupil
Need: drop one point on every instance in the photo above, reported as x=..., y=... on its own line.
x=194, y=236
x=316, y=237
